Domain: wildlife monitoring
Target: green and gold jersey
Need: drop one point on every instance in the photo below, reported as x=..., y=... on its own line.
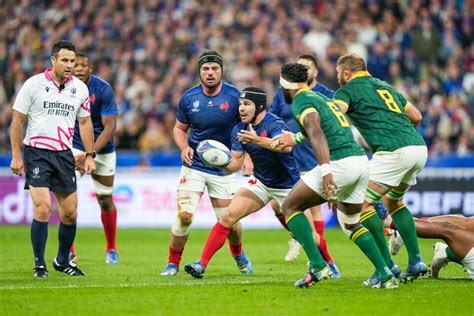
x=378, y=112
x=333, y=122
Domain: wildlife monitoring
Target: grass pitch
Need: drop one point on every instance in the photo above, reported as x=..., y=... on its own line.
x=135, y=287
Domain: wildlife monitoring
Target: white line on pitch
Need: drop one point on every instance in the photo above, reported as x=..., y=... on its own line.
x=74, y=286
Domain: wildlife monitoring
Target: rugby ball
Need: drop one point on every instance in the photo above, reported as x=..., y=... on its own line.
x=214, y=153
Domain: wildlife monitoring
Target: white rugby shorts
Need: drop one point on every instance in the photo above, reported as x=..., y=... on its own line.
x=393, y=168
x=351, y=175
x=265, y=193
x=105, y=164
x=219, y=187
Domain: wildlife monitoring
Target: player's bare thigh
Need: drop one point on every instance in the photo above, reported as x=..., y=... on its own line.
x=457, y=219
x=244, y=203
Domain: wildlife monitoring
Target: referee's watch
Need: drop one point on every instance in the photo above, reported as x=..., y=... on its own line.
x=92, y=154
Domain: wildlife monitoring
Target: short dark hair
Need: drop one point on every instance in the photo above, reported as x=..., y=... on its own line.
x=352, y=61
x=82, y=54
x=62, y=45
x=309, y=57
x=294, y=72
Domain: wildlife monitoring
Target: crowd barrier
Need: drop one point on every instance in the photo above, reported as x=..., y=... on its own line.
x=147, y=198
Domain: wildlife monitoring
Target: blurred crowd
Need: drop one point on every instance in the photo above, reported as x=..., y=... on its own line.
x=147, y=50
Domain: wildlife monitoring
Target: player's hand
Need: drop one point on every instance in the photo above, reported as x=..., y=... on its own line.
x=329, y=186
x=80, y=160
x=89, y=165
x=287, y=139
x=17, y=166
x=187, y=155
x=249, y=136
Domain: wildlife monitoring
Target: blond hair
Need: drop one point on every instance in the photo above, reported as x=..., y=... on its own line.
x=352, y=62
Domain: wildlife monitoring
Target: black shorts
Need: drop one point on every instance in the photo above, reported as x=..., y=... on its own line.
x=50, y=169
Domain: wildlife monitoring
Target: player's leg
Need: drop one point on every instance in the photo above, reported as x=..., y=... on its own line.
x=67, y=208
x=351, y=176
x=191, y=186
x=459, y=239
x=221, y=190
x=244, y=203
x=315, y=216
x=298, y=200
x=39, y=227
x=456, y=219
x=293, y=244
x=372, y=221
x=348, y=215
x=108, y=214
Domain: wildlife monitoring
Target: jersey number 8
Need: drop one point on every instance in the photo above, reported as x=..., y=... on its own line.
x=389, y=101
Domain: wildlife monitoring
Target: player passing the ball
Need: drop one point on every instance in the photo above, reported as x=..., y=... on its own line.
x=275, y=170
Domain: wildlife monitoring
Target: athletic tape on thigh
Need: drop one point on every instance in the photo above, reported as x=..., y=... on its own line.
x=220, y=211
x=347, y=219
x=396, y=194
x=101, y=189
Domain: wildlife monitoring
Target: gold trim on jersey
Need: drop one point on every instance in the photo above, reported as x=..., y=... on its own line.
x=306, y=89
x=304, y=113
x=340, y=102
x=406, y=106
x=361, y=73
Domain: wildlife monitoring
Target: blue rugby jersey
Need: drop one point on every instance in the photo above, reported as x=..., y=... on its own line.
x=304, y=154
x=102, y=103
x=209, y=118
x=275, y=170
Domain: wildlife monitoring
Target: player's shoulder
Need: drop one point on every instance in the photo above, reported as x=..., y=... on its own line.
x=78, y=84
x=229, y=89
x=99, y=83
x=193, y=91
x=323, y=90
x=270, y=117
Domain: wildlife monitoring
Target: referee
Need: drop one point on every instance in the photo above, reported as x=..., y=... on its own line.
x=52, y=101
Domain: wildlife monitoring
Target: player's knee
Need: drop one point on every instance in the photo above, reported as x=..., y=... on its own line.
x=69, y=218
x=348, y=222
x=42, y=210
x=185, y=218
x=229, y=218
x=182, y=224
x=106, y=202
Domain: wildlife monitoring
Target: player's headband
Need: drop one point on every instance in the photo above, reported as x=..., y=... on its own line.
x=210, y=57
x=285, y=84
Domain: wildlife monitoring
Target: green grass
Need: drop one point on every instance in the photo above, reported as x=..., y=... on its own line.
x=135, y=287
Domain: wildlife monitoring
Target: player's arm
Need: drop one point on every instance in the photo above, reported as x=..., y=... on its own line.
x=312, y=126
x=342, y=105
x=16, y=133
x=413, y=114
x=110, y=125
x=251, y=137
x=236, y=162
x=87, y=136
x=180, y=135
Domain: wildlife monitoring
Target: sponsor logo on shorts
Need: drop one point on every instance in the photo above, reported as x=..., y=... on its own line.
x=36, y=173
